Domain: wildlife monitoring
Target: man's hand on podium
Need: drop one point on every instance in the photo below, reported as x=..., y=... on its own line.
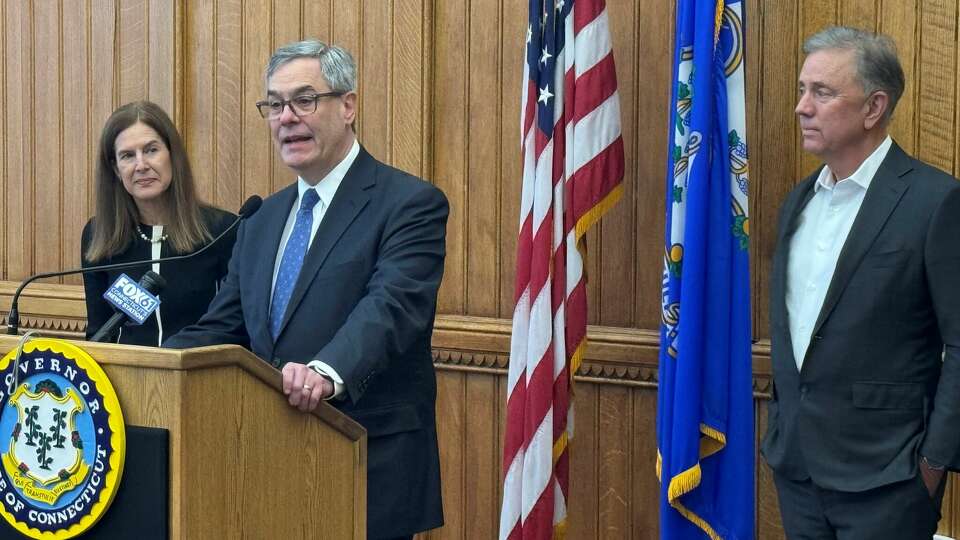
x=304, y=387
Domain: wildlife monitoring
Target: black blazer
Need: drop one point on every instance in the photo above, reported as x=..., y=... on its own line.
x=876, y=389
x=191, y=283
x=364, y=303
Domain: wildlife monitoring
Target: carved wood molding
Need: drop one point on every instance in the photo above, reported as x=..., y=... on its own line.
x=626, y=356
x=613, y=355
x=55, y=310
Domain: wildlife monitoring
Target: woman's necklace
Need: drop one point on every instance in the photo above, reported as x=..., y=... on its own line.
x=148, y=239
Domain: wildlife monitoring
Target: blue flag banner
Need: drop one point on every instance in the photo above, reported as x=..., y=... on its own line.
x=705, y=436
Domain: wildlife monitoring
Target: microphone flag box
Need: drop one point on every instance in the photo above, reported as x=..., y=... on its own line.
x=131, y=299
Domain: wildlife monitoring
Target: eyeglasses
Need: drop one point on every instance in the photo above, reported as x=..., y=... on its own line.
x=301, y=105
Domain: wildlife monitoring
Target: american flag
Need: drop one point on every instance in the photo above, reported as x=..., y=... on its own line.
x=572, y=173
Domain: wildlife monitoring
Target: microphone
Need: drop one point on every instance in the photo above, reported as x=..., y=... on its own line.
x=153, y=283
x=249, y=207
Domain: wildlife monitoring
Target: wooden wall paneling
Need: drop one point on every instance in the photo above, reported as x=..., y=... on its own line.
x=318, y=19
x=348, y=28
x=949, y=516
x=815, y=15
x=769, y=526
x=452, y=421
x=347, y=32
x=286, y=28
x=774, y=148
x=47, y=151
x=451, y=153
x=645, y=488
x=132, y=50
x=620, y=272
x=77, y=145
x=104, y=83
x=514, y=31
x=286, y=17
x=859, y=13
x=202, y=137
x=937, y=84
x=614, y=459
x=758, y=429
x=585, y=449
x=230, y=104
x=646, y=131
x=950, y=524
x=18, y=80
x=161, y=54
x=483, y=181
x=481, y=462
x=427, y=80
x=899, y=21
x=410, y=34
x=377, y=74
x=258, y=149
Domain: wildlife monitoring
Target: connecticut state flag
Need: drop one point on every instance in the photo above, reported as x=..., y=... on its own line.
x=705, y=436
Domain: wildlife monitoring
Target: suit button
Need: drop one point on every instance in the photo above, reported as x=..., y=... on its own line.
x=803, y=391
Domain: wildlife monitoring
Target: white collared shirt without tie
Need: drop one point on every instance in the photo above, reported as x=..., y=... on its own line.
x=824, y=225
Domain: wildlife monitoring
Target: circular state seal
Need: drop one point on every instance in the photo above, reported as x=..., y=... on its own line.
x=62, y=440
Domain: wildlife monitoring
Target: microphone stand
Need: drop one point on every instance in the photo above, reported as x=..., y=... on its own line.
x=13, y=318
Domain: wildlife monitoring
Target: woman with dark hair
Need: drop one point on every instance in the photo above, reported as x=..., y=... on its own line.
x=147, y=207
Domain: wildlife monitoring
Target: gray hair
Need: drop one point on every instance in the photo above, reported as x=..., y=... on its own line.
x=876, y=56
x=336, y=64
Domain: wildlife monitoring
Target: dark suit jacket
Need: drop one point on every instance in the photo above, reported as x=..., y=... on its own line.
x=875, y=388
x=364, y=303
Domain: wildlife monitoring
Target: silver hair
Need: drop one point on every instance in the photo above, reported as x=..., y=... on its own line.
x=336, y=63
x=875, y=54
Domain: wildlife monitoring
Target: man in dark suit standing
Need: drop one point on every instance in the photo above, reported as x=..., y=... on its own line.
x=335, y=280
x=865, y=311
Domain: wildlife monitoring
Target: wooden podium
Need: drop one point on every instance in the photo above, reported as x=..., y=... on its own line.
x=243, y=462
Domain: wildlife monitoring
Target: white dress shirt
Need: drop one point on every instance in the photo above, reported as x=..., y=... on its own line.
x=326, y=188
x=824, y=225
x=156, y=236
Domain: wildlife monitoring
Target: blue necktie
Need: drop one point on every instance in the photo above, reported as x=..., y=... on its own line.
x=292, y=260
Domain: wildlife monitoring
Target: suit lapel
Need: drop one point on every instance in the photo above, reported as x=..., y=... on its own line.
x=791, y=220
x=347, y=203
x=270, y=235
x=885, y=191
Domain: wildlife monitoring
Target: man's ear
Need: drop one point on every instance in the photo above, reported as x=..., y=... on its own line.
x=877, y=104
x=350, y=107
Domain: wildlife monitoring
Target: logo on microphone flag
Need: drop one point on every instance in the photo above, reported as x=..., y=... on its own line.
x=129, y=297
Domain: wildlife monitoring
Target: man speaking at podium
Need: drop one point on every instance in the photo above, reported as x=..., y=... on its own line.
x=334, y=281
